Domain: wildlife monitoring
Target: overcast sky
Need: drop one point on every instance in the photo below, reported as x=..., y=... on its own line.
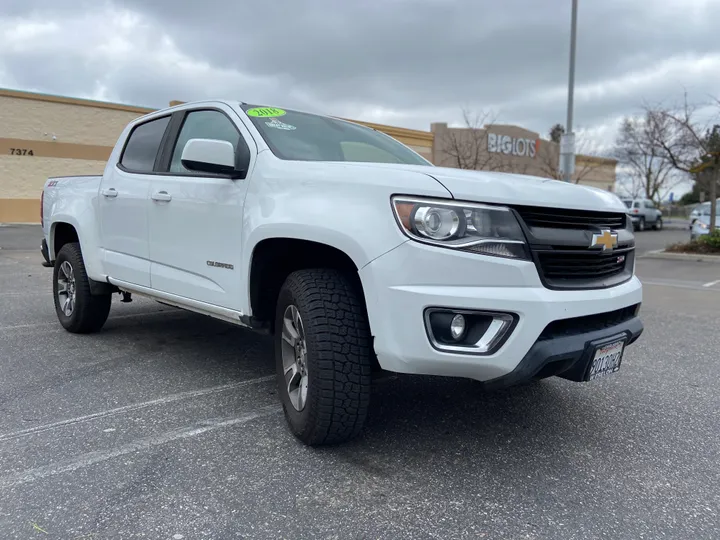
x=399, y=62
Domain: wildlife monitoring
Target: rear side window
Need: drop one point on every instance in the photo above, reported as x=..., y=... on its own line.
x=143, y=145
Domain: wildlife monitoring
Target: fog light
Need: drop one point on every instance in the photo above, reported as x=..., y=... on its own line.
x=457, y=326
x=467, y=331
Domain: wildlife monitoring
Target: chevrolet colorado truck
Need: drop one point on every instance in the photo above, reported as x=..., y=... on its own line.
x=351, y=250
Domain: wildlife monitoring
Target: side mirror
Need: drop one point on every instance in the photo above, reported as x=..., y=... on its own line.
x=210, y=156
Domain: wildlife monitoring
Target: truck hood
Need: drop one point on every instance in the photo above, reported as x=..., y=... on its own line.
x=516, y=189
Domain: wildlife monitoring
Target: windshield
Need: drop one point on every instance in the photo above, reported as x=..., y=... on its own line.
x=309, y=137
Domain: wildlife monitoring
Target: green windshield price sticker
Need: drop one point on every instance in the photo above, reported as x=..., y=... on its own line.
x=265, y=112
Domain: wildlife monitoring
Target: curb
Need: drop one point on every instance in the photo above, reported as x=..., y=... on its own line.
x=695, y=257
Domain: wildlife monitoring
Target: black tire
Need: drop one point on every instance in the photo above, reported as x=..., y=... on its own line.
x=338, y=359
x=90, y=311
x=641, y=224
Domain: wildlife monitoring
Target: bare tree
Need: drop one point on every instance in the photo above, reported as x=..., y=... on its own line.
x=630, y=185
x=467, y=148
x=588, y=159
x=642, y=157
x=690, y=145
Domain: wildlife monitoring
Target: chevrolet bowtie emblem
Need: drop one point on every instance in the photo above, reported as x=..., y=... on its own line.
x=606, y=239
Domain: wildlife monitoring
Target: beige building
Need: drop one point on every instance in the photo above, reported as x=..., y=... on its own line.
x=43, y=135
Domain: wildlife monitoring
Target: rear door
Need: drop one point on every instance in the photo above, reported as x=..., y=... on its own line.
x=195, y=218
x=124, y=202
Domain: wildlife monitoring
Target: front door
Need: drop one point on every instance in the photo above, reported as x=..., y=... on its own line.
x=196, y=219
x=123, y=205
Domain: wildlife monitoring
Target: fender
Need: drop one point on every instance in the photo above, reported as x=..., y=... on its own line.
x=346, y=207
x=75, y=204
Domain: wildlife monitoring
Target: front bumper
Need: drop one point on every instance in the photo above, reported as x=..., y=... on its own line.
x=568, y=356
x=401, y=284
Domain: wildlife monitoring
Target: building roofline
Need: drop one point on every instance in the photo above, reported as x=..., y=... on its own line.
x=417, y=136
x=82, y=102
x=596, y=159
x=425, y=136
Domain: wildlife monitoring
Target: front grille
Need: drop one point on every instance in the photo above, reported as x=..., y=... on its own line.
x=582, y=264
x=588, y=323
x=557, y=218
x=560, y=242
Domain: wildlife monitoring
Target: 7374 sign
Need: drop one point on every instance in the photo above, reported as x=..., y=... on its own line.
x=21, y=152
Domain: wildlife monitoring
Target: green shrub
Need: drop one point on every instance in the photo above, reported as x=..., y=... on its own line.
x=712, y=239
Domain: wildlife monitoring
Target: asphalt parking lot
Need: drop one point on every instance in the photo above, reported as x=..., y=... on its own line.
x=166, y=426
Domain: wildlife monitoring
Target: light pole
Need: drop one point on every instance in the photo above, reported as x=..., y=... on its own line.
x=567, y=141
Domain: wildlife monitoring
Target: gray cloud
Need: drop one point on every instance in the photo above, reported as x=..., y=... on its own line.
x=417, y=60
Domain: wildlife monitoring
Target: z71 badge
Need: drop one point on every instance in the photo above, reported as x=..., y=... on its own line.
x=220, y=265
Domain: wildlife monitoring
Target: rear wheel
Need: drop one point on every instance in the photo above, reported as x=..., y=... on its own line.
x=641, y=224
x=78, y=311
x=323, y=356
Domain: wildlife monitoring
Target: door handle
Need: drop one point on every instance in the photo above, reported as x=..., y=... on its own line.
x=161, y=196
x=110, y=192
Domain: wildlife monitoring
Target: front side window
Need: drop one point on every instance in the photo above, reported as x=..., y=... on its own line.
x=203, y=125
x=294, y=135
x=143, y=145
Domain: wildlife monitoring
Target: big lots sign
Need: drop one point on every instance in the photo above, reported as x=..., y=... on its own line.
x=504, y=144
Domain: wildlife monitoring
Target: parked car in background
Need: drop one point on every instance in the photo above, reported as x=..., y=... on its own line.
x=701, y=209
x=701, y=224
x=644, y=213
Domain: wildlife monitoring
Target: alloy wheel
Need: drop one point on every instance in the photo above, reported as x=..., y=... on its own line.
x=294, y=357
x=66, y=290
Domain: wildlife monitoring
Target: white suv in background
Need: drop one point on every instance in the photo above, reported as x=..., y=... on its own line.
x=701, y=209
x=644, y=214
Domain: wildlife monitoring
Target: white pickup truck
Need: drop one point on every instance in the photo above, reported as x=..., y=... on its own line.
x=354, y=252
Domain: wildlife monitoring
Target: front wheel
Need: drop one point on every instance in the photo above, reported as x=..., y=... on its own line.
x=79, y=311
x=323, y=356
x=658, y=225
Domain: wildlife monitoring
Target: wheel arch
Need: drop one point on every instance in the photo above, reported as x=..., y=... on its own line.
x=61, y=233
x=64, y=232
x=273, y=259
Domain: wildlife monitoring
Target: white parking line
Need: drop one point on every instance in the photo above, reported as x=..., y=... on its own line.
x=27, y=293
x=680, y=285
x=134, y=407
x=711, y=283
x=91, y=458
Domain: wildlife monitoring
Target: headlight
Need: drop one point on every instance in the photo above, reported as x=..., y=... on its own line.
x=702, y=225
x=478, y=228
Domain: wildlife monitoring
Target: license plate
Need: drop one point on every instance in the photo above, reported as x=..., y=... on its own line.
x=606, y=360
